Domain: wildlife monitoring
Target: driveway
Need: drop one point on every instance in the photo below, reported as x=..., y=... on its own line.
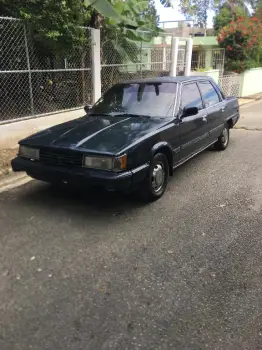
x=92, y=271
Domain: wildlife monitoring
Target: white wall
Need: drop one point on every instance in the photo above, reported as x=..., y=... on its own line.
x=251, y=82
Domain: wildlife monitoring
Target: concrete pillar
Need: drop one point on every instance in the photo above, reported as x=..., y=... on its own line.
x=96, y=64
x=189, y=48
x=148, y=59
x=164, y=59
x=174, y=55
x=208, y=59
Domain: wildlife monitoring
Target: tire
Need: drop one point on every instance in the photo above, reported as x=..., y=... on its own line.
x=155, y=183
x=223, y=139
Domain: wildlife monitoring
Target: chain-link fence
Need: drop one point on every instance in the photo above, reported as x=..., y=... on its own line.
x=123, y=60
x=230, y=84
x=33, y=83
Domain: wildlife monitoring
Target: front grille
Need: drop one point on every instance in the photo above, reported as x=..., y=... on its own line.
x=61, y=158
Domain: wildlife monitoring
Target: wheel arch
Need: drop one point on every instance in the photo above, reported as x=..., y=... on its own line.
x=230, y=123
x=166, y=149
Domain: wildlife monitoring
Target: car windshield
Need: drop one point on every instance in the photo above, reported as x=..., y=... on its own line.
x=138, y=99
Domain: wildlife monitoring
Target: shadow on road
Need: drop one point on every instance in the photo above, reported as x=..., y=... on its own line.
x=92, y=203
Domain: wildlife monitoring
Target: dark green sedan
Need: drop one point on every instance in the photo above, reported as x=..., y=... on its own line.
x=133, y=137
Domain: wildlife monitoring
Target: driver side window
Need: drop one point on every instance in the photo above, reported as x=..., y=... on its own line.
x=191, y=97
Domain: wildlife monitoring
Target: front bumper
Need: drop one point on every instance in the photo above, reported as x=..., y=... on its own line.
x=82, y=177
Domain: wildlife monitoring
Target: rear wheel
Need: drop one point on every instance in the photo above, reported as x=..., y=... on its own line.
x=223, y=139
x=155, y=184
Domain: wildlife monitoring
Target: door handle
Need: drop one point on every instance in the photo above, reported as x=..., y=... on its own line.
x=222, y=109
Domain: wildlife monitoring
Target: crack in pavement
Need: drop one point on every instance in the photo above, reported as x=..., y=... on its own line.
x=249, y=128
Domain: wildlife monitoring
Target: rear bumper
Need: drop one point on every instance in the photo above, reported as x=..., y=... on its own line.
x=82, y=177
x=235, y=119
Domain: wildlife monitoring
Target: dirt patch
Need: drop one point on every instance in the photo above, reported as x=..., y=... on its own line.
x=6, y=155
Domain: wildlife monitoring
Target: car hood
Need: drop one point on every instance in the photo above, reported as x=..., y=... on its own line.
x=104, y=134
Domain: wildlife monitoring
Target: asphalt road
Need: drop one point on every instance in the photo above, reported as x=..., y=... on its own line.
x=95, y=271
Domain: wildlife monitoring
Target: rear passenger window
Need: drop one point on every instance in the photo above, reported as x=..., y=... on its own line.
x=191, y=96
x=209, y=94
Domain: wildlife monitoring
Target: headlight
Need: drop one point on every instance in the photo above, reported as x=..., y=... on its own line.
x=28, y=152
x=106, y=163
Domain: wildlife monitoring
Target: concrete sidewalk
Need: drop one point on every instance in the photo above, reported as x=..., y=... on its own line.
x=11, y=133
x=251, y=116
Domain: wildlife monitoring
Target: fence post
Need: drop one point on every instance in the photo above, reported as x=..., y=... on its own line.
x=96, y=64
x=164, y=59
x=189, y=48
x=29, y=72
x=174, y=55
x=209, y=59
x=223, y=64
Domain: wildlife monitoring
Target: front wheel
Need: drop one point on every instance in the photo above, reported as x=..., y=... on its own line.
x=223, y=139
x=155, y=184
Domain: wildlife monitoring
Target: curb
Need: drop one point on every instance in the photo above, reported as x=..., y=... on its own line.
x=255, y=97
x=13, y=180
x=248, y=102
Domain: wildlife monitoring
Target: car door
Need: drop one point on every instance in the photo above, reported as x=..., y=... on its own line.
x=215, y=107
x=193, y=130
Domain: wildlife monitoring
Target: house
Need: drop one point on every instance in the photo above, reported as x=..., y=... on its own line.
x=206, y=52
x=156, y=55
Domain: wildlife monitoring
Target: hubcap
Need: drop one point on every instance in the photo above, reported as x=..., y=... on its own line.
x=158, y=177
x=224, y=137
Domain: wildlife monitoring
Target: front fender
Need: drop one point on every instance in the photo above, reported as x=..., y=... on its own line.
x=164, y=147
x=159, y=145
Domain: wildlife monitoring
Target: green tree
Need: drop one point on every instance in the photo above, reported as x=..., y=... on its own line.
x=130, y=13
x=224, y=16
x=56, y=25
x=257, y=5
x=235, y=6
x=196, y=10
x=242, y=40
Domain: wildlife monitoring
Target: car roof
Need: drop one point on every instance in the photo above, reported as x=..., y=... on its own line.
x=167, y=79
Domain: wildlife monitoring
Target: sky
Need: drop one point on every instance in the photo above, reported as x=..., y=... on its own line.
x=173, y=14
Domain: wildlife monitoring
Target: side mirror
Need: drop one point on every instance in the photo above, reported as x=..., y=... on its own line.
x=87, y=108
x=190, y=111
